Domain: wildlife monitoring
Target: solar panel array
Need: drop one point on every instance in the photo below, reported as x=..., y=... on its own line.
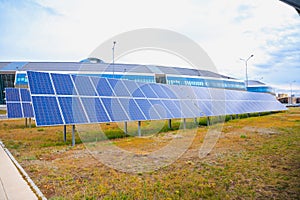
x=62, y=99
x=18, y=102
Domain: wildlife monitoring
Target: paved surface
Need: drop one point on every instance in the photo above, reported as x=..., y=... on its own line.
x=12, y=184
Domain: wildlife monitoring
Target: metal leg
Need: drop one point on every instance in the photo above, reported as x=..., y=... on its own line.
x=195, y=120
x=73, y=135
x=208, y=121
x=184, y=123
x=169, y=123
x=29, y=122
x=248, y=115
x=139, y=129
x=25, y=122
x=65, y=133
x=125, y=128
x=231, y=117
x=236, y=116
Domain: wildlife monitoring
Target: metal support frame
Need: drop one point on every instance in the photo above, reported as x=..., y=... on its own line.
x=29, y=122
x=125, y=128
x=231, y=117
x=65, y=133
x=73, y=135
x=208, y=121
x=195, y=120
x=170, y=123
x=248, y=115
x=236, y=116
x=139, y=129
x=25, y=122
x=184, y=123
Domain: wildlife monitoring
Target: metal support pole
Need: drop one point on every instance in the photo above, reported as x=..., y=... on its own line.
x=248, y=115
x=65, y=133
x=208, y=121
x=125, y=128
x=195, y=120
x=259, y=114
x=25, y=122
x=29, y=122
x=73, y=135
x=184, y=123
x=139, y=129
x=230, y=117
x=236, y=116
x=169, y=123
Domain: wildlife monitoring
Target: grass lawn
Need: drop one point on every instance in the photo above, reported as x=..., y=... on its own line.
x=254, y=158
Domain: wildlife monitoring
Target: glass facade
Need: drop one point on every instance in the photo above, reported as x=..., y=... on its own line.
x=201, y=82
x=6, y=80
x=265, y=89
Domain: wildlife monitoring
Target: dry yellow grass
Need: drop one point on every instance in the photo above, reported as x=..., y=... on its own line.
x=254, y=158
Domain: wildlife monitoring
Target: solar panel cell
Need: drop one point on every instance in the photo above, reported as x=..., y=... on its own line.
x=12, y=94
x=27, y=110
x=95, y=110
x=102, y=86
x=114, y=109
x=72, y=110
x=39, y=83
x=84, y=86
x=46, y=111
x=25, y=95
x=14, y=110
x=63, y=84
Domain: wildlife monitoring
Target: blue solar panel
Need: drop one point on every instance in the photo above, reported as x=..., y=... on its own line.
x=13, y=94
x=148, y=109
x=39, y=83
x=159, y=90
x=27, y=110
x=171, y=106
x=133, y=88
x=102, y=86
x=95, y=110
x=112, y=100
x=169, y=91
x=135, y=113
x=84, y=86
x=46, y=111
x=14, y=110
x=119, y=88
x=114, y=109
x=147, y=91
x=25, y=95
x=72, y=110
x=63, y=84
x=160, y=108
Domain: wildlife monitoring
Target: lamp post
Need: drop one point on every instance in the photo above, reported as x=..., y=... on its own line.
x=113, y=57
x=291, y=85
x=246, y=64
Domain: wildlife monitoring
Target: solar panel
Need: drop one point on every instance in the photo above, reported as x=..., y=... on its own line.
x=18, y=103
x=46, y=111
x=91, y=100
x=84, y=85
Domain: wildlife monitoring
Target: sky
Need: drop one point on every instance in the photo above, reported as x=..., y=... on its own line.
x=69, y=30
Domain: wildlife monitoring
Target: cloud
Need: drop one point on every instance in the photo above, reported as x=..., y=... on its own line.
x=70, y=30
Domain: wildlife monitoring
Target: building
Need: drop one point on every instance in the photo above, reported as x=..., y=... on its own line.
x=13, y=74
x=258, y=86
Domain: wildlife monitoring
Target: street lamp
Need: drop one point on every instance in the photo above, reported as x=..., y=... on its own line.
x=246, y=63
x=291, y=84
x=113, y=57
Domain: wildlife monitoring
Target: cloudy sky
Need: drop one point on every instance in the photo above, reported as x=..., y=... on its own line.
x=69, y=30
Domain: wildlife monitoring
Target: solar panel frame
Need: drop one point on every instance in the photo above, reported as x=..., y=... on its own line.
x=123, y=100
